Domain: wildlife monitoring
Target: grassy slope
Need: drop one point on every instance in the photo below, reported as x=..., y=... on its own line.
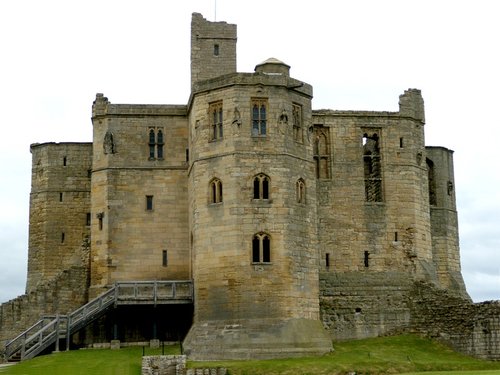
x=388, y=355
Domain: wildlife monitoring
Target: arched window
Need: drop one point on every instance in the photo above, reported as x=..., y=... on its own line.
x=152, y=144
x=297, y=123
x=301, y=191
x=261, y=248
x=259, y=120
x=216, y=117
x=321, y=151
x=155, y=143
x=159, y=145
x=261, y=187
x=215, y=191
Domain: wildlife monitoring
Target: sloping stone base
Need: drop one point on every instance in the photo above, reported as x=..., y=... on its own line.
x=256, y=339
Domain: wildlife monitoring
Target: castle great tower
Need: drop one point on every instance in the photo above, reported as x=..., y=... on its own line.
x=252, y=207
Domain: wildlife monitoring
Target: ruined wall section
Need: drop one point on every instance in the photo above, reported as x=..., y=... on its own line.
x=472, y=329
x=363, y=231
x=64, y=293
x=139, y=193
x=444, y=219
x=59, y=209
x=374, y=221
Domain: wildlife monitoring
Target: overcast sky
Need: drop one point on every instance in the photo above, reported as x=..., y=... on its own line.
x=56, y=55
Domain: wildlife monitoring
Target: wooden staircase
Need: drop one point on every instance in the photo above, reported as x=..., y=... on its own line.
x=50, y=330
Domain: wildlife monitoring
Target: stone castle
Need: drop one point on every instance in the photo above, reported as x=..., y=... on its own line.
x=294, y=226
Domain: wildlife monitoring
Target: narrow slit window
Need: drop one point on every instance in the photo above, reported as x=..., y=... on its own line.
x=99, y=217
x=327, y=260
x=87, y=221
x=64, y=160
x=216, y=50
x=367, y=259
x=164, y=258
x=401, y=143
x=149, y=202
x=60, y=197
x=63, y=237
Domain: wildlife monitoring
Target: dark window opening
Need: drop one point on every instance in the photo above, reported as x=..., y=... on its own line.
x=87, y=221
x=400, y=142
x=149, y=202
x=431, y=182
x=372, y=168
x=266, y=250
x=60, y=197
x=164, y=258
x=367, y=259
x=261, y=188
x=100, y=216
x=64, y=161
x=261, y=248
x=62, y=237
x=256, y=249
x=327, y=260
x=358, y=310
x=216, y=50
x=395, y=236
x=187, y=155
x=89, y=173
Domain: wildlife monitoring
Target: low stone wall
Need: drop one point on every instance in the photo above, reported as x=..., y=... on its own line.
x=174, y=365
x=470, y=328
x=357, y=305
x=361, y=305
x=64, y=294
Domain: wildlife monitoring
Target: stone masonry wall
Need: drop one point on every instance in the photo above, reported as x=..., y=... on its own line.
x=66, y=292
x=473, y=329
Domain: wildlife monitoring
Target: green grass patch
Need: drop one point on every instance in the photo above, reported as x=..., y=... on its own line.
x=406, y=354
x=126, y=361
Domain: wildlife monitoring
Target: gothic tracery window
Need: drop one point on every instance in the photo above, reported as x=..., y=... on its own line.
x=322, y=151
x=261, y=248
x=155, y=143
x=301, y=191
x=297, y=123
x=259, y=117
x=261, y=187
x=216, y=120
x=215, y=191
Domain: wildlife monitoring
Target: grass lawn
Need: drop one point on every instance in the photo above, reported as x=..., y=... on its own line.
x=387, y=355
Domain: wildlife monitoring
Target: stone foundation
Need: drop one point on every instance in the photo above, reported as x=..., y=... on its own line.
x=256, y=339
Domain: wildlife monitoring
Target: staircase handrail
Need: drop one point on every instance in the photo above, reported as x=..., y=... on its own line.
x=42, y=334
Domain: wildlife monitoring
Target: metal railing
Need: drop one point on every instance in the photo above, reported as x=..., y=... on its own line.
x=50, y=330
